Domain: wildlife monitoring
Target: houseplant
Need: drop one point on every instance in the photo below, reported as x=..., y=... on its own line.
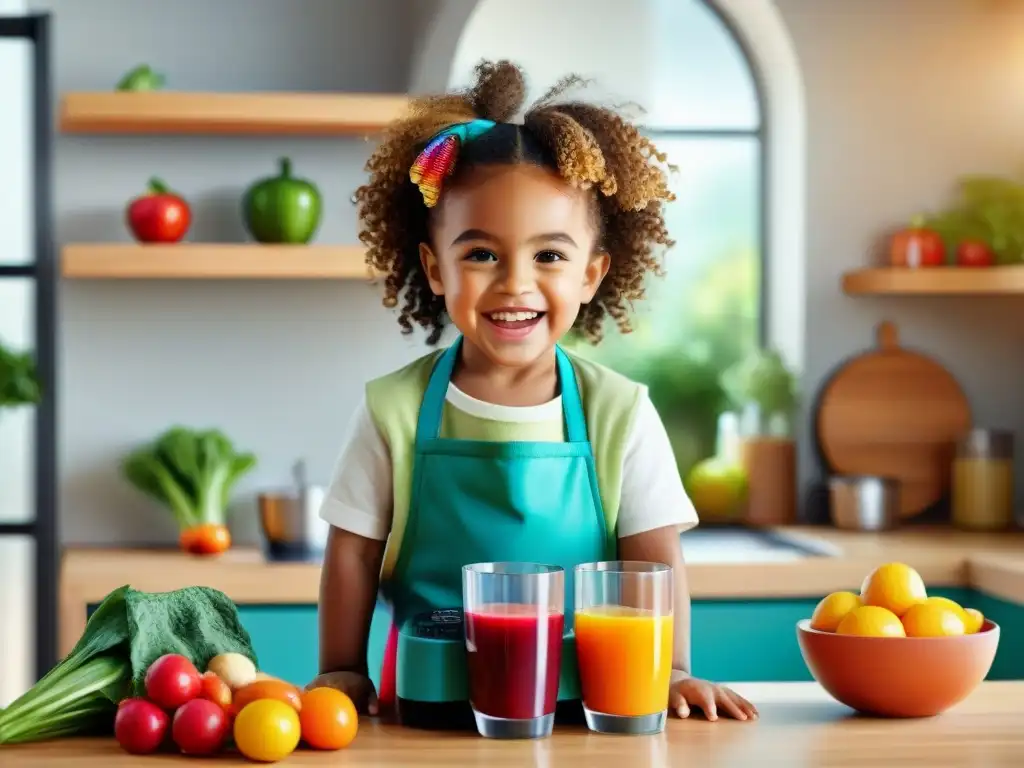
x=19, y=383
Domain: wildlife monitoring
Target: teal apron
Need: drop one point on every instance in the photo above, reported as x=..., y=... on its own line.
x=478, y=501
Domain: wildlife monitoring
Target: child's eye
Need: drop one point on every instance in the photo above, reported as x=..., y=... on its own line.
x=549, y=257
x=480, y=255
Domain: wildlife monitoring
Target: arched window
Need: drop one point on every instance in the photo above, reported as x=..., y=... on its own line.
x=681, y=62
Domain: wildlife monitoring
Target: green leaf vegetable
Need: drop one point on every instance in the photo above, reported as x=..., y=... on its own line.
x=19, y=384
x=764, y=380
x=989, y=209
x=191, y=472
x=127, y=632
x=141, y=78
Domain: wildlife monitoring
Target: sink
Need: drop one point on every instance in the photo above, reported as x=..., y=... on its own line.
x=748, y=545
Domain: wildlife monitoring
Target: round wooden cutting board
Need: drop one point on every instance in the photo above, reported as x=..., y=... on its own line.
x=894, y=413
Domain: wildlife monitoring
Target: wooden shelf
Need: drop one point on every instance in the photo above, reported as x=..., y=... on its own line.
x=175, y=112
x=212, y=261
x=935, y=281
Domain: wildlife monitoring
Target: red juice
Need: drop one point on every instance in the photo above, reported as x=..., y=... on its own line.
x=515, y=656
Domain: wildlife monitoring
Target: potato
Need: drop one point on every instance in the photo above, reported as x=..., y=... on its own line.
x=234, y=669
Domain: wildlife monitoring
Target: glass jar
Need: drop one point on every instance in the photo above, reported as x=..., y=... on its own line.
x=982, y=498
x=768, y=455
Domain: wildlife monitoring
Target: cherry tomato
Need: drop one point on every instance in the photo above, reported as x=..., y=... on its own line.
x=171, y=681
x=328, y=718
x=140, y=726
x=974, y=253
x=199, y=728
x=216, y=690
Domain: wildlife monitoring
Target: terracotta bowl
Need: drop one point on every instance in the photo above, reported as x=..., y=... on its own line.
x=898, y=676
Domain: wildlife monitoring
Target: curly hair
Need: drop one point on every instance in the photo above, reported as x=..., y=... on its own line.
x=589, y=146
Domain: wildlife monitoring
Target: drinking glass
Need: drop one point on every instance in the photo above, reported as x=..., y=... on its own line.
x=623, y=622
x=514, y=617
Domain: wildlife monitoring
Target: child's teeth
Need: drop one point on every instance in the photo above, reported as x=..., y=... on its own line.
x=512, y=317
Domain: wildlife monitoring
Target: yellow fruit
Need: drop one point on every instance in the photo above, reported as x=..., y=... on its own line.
x=973, y=621
x=832, y=609
x=894, y=586
x=953, y=605
x=871, y=621
x=267, y=730
x=933, y=620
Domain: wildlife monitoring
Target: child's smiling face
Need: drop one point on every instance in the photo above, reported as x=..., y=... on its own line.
x=514, y=253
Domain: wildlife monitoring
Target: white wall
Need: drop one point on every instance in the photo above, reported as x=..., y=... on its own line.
x=16, y=502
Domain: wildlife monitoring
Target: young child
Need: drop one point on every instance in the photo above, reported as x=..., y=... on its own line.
x=515, y=234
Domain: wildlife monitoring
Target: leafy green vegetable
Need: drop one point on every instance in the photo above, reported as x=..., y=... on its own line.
x=191, y=472
x=141, y=78
x=127, y=632
x=763, y=379
x=18, y=382
x=989, y=209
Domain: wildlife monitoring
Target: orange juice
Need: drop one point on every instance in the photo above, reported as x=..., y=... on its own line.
x=625, y=659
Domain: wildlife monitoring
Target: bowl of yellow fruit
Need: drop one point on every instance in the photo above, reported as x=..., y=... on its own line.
x=892, y=650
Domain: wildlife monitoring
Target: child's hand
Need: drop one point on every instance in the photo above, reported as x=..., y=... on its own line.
x=687, y=692
x=357, y=687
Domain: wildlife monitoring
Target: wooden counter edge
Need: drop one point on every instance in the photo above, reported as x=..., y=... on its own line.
x=89, y=574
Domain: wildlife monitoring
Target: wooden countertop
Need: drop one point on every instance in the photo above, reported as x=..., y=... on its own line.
x=799, y=726
x=993, y=563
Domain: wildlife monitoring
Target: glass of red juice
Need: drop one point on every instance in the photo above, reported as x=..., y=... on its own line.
x=514, y=618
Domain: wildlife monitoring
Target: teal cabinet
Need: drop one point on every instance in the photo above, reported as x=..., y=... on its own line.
x=738, y=640
x=285, y=638
x=755, y=641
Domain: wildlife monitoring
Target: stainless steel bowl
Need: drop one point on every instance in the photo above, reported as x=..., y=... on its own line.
x=291, y=524
x=864, y=502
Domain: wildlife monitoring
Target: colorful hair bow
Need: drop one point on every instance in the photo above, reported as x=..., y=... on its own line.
x=437, y=159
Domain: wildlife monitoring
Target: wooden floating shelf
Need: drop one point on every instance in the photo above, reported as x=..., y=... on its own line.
x=177, y=112
x=935, y=281
x=213, y=261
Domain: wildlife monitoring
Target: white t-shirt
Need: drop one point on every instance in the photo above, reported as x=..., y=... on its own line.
x=360, y=496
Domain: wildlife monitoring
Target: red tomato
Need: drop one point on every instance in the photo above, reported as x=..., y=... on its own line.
x=974, y=253
x=159, y=216
x=917, y=247
x=172, y=680
x=200, y=727
x=140, y=726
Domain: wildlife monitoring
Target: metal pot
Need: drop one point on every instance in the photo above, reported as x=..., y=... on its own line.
x=864, y=502
x=291, y=524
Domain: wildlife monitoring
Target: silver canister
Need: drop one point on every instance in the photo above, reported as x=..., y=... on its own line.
x=291, y=522
x=864, y=502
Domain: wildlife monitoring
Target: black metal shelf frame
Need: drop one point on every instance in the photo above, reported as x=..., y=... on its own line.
x=43, y=271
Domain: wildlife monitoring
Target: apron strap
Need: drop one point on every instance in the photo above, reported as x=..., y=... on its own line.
x=572, y=405
x=428, y=425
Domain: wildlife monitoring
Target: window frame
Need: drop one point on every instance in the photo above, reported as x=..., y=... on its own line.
x=42, y=528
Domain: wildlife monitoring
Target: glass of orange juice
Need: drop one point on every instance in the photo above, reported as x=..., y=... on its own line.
x=623, y=622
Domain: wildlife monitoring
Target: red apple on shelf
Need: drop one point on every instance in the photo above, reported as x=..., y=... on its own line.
x=974, y=253
x=917, y=247
x=159, y=216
